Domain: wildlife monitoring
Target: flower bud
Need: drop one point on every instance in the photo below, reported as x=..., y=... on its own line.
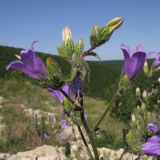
x=138, y=92
x=145, y=95
x=159, y=79
x=114, y=24
x=145, y=67
x=138, y=109
x=133, y=117
x=79, y=46
x=66, y=34
x=143, y=107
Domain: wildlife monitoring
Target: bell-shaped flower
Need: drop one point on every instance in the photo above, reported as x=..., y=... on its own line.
x=157, y=60
x=133, y=60
x=59, y=95
x=30, y=64
x=77, y=85
x=152, y=146
x=153, y=127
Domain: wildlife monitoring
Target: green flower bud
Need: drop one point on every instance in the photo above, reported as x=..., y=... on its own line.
x=145, y=68
x=145, y=95
x=113, y=25
x=100, y=35
x=79, y=46
x=143, y=107
x=138, y=92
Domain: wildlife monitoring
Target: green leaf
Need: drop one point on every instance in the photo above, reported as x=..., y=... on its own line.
x=79, y=47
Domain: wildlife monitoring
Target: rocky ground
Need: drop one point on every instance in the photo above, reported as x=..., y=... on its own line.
x=48, y=152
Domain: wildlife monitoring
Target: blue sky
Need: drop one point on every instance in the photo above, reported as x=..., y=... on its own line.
x=23, y=21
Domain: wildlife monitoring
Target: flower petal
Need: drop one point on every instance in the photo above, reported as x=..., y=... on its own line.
x=27, y=57
x=77, y=85
x=138, y=48
x=153, y=127
x=135, y=64
x=57, y=94
x=39, y=66
x=126, y=49
x=152, y=146
x=67, y=89
x=18, y=65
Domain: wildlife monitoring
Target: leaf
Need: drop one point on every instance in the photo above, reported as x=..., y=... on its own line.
x=79, y=47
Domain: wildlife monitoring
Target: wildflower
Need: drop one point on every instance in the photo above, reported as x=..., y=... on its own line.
x=133, y=60
x=64, y=124
x=62, y=138
x=152, y=146
x=157, y=60
x=58, y=94
x=77, y=85
x=153, y=127
x=52, y=117
x=30, y=64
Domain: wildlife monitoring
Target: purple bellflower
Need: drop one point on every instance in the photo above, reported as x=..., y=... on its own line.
x=77, y=85
x=64, y=124
x=30, y=64
x=59, y=95
x=157, y=60
x=153, y=127
x=133, y=60
x=152, y=146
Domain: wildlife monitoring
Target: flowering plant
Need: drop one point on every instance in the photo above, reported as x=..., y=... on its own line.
x=69, y=92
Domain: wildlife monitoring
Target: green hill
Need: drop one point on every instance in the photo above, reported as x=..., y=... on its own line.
x=103, y=73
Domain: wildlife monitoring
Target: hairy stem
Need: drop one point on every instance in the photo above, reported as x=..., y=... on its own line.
x=89, y=133
x=79, y=129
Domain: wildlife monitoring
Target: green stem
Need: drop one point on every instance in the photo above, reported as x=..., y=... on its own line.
x=123, y=153
x=79, y=129
x=84, y=141
x=92, y=141
x=106, y=110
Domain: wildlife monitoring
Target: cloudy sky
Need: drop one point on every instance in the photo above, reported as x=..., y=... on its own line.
x=23, y=21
